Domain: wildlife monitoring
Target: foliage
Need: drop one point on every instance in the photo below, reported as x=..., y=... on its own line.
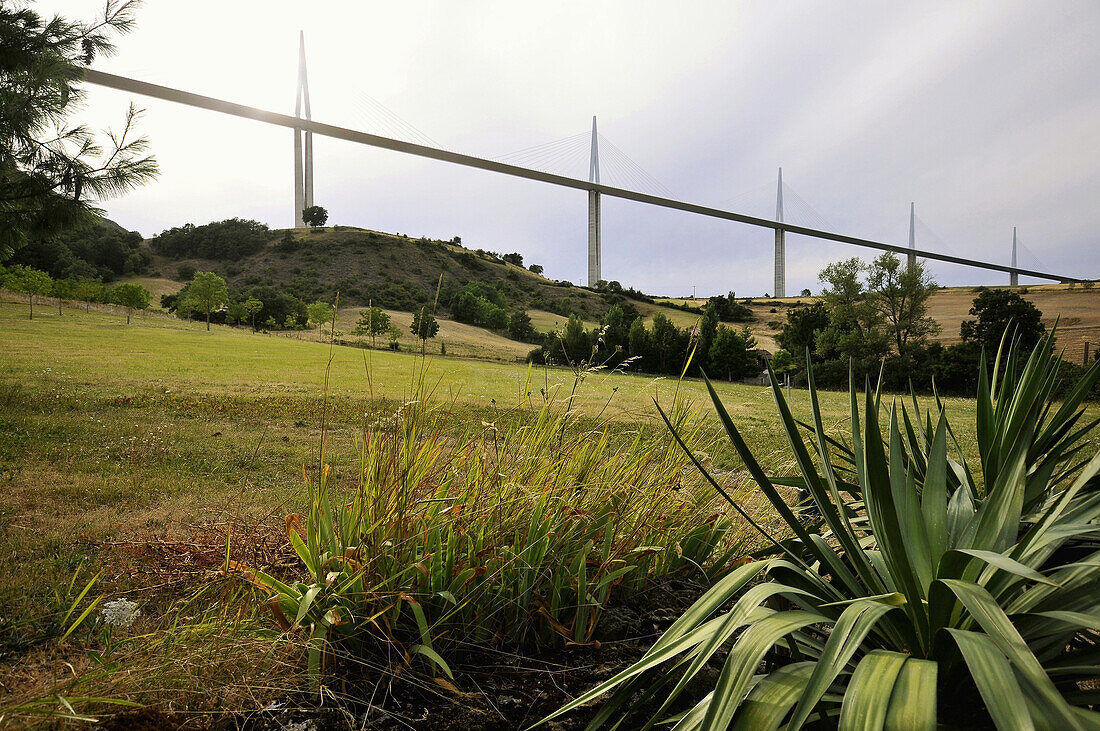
x=732, y=354
x=480, y=305
x=130, y=295
x=520, y=328
x=517, y=530
x=924, y=591
x=424, y=324
x=901, y=295
x=729, y=309
x=513, y=258
x=783, y=362
x=51, y=173
x=998, y=309
x=372, y=322
x=29, y=281
x=315, y=216
x=98, y=250
x=232, y=239
x=854, y=329
x=321, y=314
x=206, y=293
x=799, y=333
x=535, y=269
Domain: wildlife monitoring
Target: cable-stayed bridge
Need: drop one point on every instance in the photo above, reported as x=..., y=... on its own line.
x=554, y=163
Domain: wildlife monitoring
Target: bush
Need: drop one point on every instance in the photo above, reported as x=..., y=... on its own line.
x=939, y=598
x=534, y=557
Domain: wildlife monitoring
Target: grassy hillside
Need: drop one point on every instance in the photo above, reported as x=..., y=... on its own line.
x=393, y=271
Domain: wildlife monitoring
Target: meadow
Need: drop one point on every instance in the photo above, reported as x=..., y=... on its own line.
x=137, y=453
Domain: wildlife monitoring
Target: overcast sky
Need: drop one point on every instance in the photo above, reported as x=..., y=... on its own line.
x=986, y=114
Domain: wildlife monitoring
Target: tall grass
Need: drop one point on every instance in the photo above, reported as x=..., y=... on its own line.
x=516, y=530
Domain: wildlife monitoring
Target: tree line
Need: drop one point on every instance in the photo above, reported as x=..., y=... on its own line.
x=873, y=317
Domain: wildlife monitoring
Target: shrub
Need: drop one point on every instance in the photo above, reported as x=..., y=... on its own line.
x=520, y=530
x=913, y=593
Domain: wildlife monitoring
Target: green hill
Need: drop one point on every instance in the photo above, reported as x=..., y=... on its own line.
x=389, y=270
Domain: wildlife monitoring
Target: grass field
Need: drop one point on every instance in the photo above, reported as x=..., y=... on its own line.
x=129, y=450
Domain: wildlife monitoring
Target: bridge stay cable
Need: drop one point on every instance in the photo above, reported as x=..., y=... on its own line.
x=157, y=91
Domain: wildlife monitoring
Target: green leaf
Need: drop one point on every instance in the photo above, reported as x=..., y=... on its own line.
x=913, y=702
x=768, y=703
x=1004, y=635
x=867, y=698
x=435, y=657
x=844, y=641
x=995, y=679
x=744, y=659
x=1004, y=563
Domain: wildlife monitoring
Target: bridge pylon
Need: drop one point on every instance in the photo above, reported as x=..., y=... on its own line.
x=912, y=258
x=594, y=252
x=780, y=289
x=303, y=141
x=1013, y=276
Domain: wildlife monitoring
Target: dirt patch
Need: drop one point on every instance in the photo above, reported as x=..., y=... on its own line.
x=492, y=690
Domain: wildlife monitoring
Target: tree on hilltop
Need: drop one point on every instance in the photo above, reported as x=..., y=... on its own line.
x=900, y=293
x=132, y=296
x=315, y=216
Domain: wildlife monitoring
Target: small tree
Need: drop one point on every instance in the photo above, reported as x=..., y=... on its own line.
x=206, y=293
x=514, y=258
x=30, y=282
x=87, y=290
x=535, y=268
x=395, y=334
x=236, y=313
x=253, y=307
x=900, y=293
x=520, y=328
x=315, y=216
x=132, y=296
x=64, y=289
x=372, y=322
x=731, y=354
x=321, y=314
x=805, y=292
x=997, y=310
x=424, y=326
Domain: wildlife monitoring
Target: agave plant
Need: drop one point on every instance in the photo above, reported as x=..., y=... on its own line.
x=923, y=595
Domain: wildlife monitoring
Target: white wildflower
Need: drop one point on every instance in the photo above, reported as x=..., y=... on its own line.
x=120, y=612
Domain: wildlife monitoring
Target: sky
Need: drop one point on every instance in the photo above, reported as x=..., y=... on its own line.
x=986, y=115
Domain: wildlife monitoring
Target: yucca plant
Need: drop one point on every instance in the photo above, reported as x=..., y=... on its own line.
x=933, y=595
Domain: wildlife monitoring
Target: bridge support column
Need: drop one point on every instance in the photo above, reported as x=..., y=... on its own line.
x=780, y=289
x=595, y=268
x=912, y=258
x=303, y=141
x=1014, y=277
